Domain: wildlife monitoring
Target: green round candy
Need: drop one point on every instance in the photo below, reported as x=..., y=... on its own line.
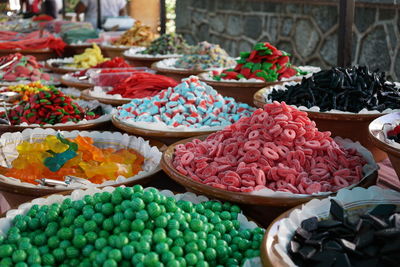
x=6, y=251
x=202, y=263
x=65, y=233
x=115, y=254
x=108, y=224
x=100, y=243
x=180, y=241
x=128, y=251
x=173, y=263
x=134, y=235
x=121, y=241
x=125, y=225
x=127, y=192
x=89, y=248
x=116, y=198
x=48, y=259
x=151, y=259
x=221, y=251
x=129, y=214
x=33, y=224
x=107, y=209
x=89, y=226
x=105, y=197
x=71, y=252
x=13, y=237
x=100, y=258
x=19, y=255
x=154, y=210
x=64, y=244
x=210, y=254
x=161, y=248
x=142, y=215
x=6, y=262
x=143, y=247
x=196, y=225
x=177, y=250
x=225, y=215
x=173, y=224
x=40, y=240
x=34, y=259
x=167, y=256
x=201, y=244
x=79, y=241
x=160, y=235
x=137, y=225
x=191, y=247
x=104, y=234
x=53, y=242
x=216, y=206
x=98, y=218
x=137, y=258
x=110, y=263
x=161, y=221
x=21, y=264
x=59, y=254
x=170, y=206
x=190, y=236
x=174, y=233
x=137, y=204
x=191, y=259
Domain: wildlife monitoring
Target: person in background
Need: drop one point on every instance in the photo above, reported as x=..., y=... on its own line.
x=49, y=7
x=108, y=8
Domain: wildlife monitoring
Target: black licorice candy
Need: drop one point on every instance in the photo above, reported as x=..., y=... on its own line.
x=367, y=240
x=345, y=89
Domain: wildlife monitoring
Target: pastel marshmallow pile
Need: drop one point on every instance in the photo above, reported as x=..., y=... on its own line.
x=192, y=103
x=278, y=147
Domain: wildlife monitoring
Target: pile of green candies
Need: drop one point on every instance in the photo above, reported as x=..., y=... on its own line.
x=167, y=44
x=129, y=227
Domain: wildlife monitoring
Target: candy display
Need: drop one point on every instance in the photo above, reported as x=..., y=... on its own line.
x=32, y=40
x=352, y=90
x=49, y=107
x=138, y=35
x=141, y=84
x=21, y=68
x=26, y=90
x=55, y=157
x=116, y=62
x=205, y=56
x=278, y=147
x=167, y=44
x=151, y=229
x=90, y=58
x=265, y=62
x=191, y=104
x=369, y=238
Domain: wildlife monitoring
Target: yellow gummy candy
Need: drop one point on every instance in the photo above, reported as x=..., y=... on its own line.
x=55, y=144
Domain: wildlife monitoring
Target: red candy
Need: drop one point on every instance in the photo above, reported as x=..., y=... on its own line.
x=277, y=148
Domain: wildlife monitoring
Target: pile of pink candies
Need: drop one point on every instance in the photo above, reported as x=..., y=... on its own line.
x=277, y=148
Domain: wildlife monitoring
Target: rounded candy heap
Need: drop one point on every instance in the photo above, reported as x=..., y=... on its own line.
x=130, y=227
x=48, y=107
x=89, y=58
x=277, y=148
x=142, y=84
x=55, y=157
x=204, y=56
x=167, y=44
x=22, y=69
x=265, y=62
x=116, y=62
x=351, y=89
x=26, y=90
x=192, y=103
x=138, y=35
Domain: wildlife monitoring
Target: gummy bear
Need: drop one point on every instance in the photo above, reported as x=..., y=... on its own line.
x=73, y=146
x=90, y=152
x=107, y=169
x=55, y=144
x=58, y=160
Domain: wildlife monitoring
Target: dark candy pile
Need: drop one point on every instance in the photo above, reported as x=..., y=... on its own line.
x=372, y=239
x=342, y=89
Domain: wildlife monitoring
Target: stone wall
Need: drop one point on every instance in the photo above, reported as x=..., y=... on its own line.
x=307, y=31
